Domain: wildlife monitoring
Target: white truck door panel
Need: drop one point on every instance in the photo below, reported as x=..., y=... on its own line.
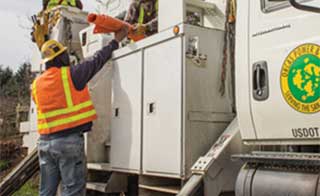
x=162, y=108
x=243, y=102
x=126, y=117
x=284, y=67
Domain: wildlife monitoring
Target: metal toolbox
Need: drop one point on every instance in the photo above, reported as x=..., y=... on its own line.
x=167, y=108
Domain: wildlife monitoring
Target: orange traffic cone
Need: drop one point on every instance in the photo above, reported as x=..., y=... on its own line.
x=107, y=24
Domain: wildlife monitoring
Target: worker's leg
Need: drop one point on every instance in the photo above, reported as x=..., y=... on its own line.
x=72, y=165
x=49, y=170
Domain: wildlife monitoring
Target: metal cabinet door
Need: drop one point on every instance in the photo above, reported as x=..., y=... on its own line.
x=126, y=119
x=162, y=108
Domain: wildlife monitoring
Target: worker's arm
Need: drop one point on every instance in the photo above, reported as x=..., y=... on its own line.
x=82, y=73
x=152, y=26
x=148, y=28
x=132, y=14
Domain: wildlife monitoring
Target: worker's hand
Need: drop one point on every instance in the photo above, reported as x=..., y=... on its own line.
x=140, y=29
x=121, y=34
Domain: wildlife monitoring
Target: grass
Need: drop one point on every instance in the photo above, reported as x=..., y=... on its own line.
x=4, y=164
x=29, y=189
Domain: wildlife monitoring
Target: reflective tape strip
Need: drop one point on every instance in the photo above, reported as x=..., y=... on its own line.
x=66, y=86
x=72, y=2
x=53, y=3
x=65, y=110
x=141, y=15
x=66, y=120
x=142, y=12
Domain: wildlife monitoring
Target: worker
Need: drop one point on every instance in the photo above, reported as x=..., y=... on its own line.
x=65, y=113
x=49, y=4
x=143, y=14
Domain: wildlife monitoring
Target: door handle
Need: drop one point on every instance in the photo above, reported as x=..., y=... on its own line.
x=259, y=73
x=260, y=81
x=151, y=107
x=116, y=112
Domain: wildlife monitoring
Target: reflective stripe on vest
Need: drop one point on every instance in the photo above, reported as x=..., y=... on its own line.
x=142, y=13
x=53, y=3
x=71, y=119
x=71, y=116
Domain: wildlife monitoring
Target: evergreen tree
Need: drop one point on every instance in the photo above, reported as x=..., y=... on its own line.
x=14, y=90
x=23, y=79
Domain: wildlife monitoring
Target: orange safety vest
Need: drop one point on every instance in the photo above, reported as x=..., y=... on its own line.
x=60, y=106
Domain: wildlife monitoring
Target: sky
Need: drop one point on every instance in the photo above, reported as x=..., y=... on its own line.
x=15, y=26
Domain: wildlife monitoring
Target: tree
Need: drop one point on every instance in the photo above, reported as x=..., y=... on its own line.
x=14, y=90
x=23, y=79
x=5, y=75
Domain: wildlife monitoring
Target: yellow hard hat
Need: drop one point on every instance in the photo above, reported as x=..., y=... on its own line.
x=51, y=49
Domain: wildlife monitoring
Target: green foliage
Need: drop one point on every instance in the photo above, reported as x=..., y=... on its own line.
x=14, y=90
x=7, y=82
x=16, y=85
x=23, y=78
x=5, y=75
x=4, y=164
x=29, y=189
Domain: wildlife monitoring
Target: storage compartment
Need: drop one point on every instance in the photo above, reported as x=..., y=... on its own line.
x=162, y=117
x=126, y=113
x=173, y=82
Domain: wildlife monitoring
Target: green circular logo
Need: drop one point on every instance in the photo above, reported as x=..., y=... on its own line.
x=304, y=78
x=300, y=78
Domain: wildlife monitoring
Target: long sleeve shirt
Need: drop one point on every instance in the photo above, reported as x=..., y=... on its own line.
x=82, y=73
x=150, y=17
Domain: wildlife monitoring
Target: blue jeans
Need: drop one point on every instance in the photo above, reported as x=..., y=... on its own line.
x=62, y=160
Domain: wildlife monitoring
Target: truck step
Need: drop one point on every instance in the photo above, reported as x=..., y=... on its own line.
x=97, y=186
x=163, y=189
x=114, y=183
x=281, y=159
x=99, y=166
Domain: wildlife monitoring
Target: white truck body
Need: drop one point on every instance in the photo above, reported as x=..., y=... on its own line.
x=275, y=34
x=152, y=125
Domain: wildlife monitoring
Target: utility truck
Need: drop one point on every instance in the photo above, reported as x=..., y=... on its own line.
x=202, y=107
